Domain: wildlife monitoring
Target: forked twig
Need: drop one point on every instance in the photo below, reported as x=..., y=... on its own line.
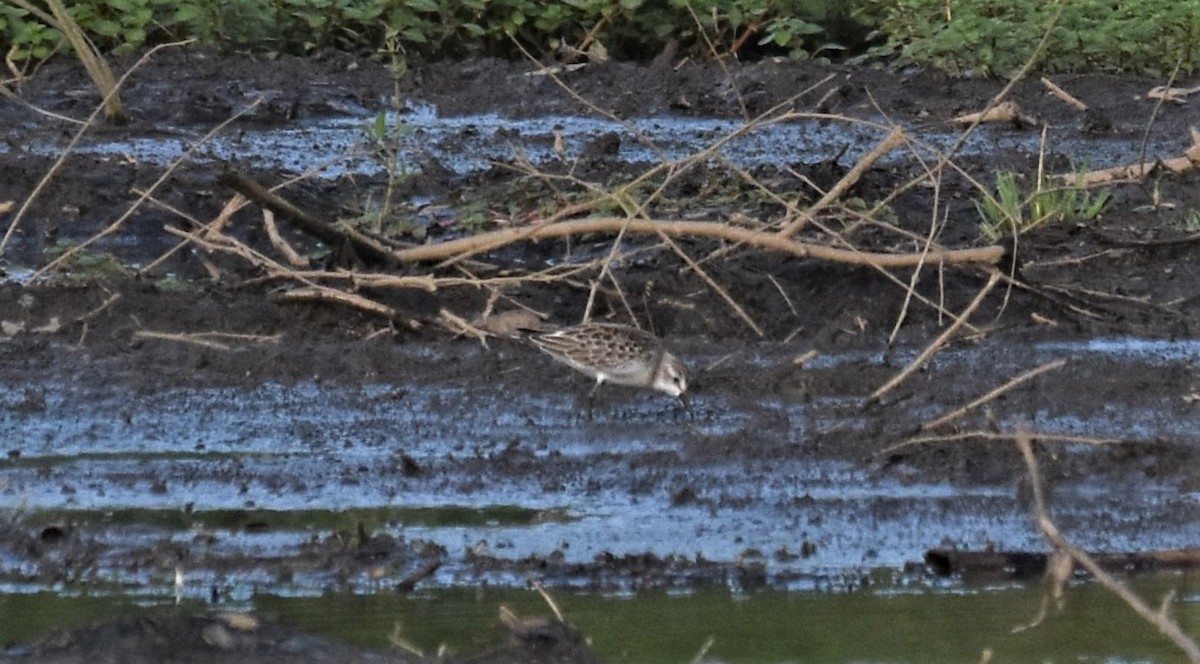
x=1054, y=537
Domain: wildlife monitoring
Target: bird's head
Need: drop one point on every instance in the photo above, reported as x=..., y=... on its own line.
x=671, y=376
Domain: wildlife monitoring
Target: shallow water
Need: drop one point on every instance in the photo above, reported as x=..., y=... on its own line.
x=915, y=624
x=469, y=143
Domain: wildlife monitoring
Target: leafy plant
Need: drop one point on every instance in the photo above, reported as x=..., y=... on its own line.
x=27, y=38
x=989, y=37
x=1010, y=212
x=1191, y=223
x=788, y=32
x=624, y=27
x=384, y=141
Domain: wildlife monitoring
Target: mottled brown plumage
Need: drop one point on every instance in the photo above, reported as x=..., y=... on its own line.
x=615, y=353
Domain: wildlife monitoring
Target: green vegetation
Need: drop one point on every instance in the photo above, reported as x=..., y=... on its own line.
x=90, y=266
x=435, y=28
x=1012, y=213
x=1191, y=222
x=981, y=36
x=989, y=37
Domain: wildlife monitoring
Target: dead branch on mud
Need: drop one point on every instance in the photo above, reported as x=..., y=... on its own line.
x=712, y=283
x=952, y=561
x=989, y=255
x=1006, y=111
x=634, y=200
x=1172, y=94
x=1134, y=172
x=1067, y=98
x=226, y=244
x=318, y=293
x=367, y=248
x=1160, y=618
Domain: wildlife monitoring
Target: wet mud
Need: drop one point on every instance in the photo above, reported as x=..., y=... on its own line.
x=337, y=451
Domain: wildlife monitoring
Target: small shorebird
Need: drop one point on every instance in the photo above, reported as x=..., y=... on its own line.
x=615, y=353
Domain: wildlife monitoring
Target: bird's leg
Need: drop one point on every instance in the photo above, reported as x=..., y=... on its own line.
x=591, y=398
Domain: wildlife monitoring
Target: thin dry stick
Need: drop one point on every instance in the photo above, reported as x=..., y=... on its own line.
x=937, y=344
x=916, y=274
x=327, y=294
x=112, y=299
x=215, y=224
x=430, y=283
x=227, y=244
x=993, y=394
x=281, y=245
x=1155, y=112
x=620, y=295
x=1056, y=539
x=211, y=336
x=702, y=654
x=460, y=326
x=737, y=308
x=606, y=271
x=182, y=338
x=12, y=96
x=62, y=158
x=558, y=614
x=981, y=434
x=166, y=174
x=783, y=294
x=1067, y=98
x=893, y=140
